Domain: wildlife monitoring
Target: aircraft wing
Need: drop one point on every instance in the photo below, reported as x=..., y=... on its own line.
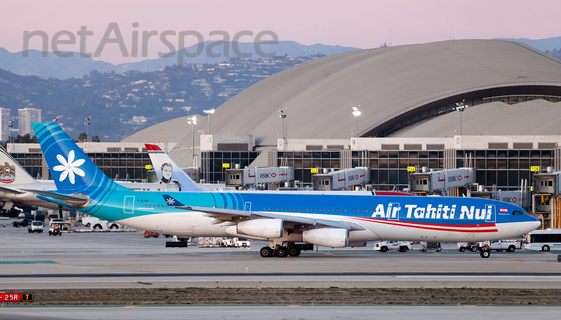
x=11, y=190
x=223, y=215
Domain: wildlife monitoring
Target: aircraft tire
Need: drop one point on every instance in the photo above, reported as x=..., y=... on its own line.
x=485, y=253
x=294, y=251
x=282, y=252
x=266, y=252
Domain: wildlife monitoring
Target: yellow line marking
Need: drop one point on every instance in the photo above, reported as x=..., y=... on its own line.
x=287, y=260
x=59, y=261
x=509, y=260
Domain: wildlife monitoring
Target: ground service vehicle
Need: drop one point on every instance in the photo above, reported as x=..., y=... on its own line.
x=148, y=234
x=54, y=231
x=227, y=242
x=329, y=219
x=471, y=246
x=426, y=246
x=384, y=246
x=97, y=224
x=63, y=224
x=241, y=243
x=543, y=240
x=35, y=226
x=507, y=245
x=23, y=223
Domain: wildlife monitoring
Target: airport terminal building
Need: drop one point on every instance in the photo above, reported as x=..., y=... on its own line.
x=408, y=98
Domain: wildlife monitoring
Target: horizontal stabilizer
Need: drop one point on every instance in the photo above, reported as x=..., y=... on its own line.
x=75, y=199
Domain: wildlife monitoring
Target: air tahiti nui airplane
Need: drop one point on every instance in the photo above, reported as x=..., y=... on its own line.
x=285, y=219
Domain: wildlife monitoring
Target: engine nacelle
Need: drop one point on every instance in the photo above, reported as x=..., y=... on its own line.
x=262, y=228
x=335, y=238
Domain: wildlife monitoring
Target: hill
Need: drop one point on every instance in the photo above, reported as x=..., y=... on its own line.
x=78, y=66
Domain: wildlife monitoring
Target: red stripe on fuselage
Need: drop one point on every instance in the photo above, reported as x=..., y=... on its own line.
x=429, y=226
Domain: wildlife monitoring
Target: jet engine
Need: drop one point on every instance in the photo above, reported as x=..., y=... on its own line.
x=262, y=228
x=335, y=238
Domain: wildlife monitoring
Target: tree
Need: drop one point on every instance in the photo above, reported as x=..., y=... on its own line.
x=95, y=139
x=82, y=137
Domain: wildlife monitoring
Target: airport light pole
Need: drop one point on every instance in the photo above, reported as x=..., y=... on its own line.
x=356, y=113
x=460, y=106
x=11, y=125
x=209, y=112
x=282, y=115
x=87, y=123
x=193, y=121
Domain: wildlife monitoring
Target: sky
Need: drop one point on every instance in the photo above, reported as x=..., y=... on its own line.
x=354, y=23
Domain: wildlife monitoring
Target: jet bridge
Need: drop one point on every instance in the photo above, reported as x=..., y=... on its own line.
x=433, y=181
x=546, y=200
x=341, y=179
x=255, y=176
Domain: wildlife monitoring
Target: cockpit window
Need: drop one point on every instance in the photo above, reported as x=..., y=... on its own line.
x=517, y=213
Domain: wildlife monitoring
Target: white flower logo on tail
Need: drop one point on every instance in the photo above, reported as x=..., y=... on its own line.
x=70, y=167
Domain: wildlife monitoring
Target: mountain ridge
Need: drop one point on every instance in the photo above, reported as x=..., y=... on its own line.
x=77, y=66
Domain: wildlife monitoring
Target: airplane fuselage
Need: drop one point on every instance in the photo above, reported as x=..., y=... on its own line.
x=377, y=217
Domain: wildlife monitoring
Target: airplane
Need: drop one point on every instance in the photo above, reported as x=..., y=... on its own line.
x=283, y=219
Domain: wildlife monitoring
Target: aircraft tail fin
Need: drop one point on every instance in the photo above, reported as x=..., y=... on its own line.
x=161, y=160
x=70, y=167
x=11, y=172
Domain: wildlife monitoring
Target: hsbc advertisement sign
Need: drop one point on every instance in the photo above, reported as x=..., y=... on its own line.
x=514, y=197
x=350, y=177
x=268, y=175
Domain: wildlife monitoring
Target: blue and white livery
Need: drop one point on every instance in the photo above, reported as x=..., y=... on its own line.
x=284, y=219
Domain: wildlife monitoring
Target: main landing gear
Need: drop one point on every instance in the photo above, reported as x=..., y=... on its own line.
x=280, y=250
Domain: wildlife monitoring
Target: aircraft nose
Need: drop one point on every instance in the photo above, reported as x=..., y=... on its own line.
x=531, y=225
x=535, y=224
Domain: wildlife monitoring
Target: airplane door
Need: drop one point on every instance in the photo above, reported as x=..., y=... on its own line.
x=128, y=205
x=393, y=211
x=247, y=206
x=491, y=213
